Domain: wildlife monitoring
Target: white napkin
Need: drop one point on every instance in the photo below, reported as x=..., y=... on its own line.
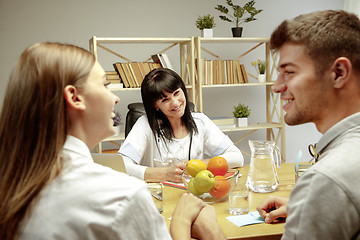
x=247, y=219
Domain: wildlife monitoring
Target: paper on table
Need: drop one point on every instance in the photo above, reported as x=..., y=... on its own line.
x=248, y=219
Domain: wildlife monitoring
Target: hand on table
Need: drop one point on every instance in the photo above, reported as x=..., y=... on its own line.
x=205, y=225
x=272, y=208
x=185, y=213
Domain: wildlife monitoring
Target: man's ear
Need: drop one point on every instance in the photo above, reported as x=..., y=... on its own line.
x=72, y=98
x=341, y=72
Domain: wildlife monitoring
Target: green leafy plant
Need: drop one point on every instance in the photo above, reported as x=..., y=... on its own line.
x=241, y=111
x=260, y=66
x=240, y=14
x=206, y=21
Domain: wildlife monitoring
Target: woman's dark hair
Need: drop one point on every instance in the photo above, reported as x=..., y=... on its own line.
x=155, y=83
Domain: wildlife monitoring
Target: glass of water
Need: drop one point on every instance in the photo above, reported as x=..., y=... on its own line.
x=156, y=190
x=239, y=198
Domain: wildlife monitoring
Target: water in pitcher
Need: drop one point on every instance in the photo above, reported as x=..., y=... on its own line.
x=262, y=175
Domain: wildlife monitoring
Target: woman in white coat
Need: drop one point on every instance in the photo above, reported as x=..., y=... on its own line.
x=170, y=131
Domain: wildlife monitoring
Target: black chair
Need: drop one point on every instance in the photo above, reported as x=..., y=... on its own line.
x=136, y=110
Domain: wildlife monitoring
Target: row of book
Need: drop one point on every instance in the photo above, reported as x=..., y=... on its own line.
x=223, y=72
x=131, y=74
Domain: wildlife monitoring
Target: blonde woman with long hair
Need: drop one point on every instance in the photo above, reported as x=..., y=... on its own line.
x=57, y=107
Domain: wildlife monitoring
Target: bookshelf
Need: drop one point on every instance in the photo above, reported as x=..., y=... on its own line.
x=101, y=45
x=274, y=124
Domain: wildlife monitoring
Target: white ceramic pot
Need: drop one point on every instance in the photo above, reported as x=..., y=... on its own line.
x=207, y=33
x=241, y=122
x=262, y=78
x=117, y=130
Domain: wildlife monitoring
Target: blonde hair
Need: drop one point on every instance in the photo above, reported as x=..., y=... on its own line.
x=34, y=126
x=327, y=35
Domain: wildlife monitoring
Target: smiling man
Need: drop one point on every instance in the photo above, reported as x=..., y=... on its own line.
x=319, y=81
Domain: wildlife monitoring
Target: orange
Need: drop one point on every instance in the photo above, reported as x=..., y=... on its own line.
x=218, y=166
x=221, y=187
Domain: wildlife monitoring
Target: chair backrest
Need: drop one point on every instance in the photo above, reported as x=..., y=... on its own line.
x=136, y=110
x=114, y=161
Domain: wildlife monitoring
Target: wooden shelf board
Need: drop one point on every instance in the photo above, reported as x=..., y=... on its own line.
x=141, y=40
x=254, y=127
x=239, y=85
x=234, y=40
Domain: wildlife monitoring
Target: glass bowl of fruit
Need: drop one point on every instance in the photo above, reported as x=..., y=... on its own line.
x=211, y=183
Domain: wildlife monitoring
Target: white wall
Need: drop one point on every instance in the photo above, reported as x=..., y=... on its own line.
x=24, y=22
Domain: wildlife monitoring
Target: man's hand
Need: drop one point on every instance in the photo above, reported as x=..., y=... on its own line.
x=273, y=208
x=205, y=225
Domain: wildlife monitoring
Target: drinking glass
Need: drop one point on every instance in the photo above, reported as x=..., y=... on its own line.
x=156, y=189
x=238, y=198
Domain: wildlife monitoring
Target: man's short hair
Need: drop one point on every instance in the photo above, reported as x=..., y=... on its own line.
x=326, y=35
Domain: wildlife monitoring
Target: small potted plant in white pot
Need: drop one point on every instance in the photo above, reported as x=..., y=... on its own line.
x=260, y=67
x=239, y=15
x=205, y=24
x=117, y=122
x=241, y=113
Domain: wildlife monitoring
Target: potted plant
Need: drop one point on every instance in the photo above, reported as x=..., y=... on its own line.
x=117, y=121
x=260, y=67
x=239, y=15
x=241, y=113
x=205, y=24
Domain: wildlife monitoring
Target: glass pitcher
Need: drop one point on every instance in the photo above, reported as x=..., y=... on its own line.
x=262, y=175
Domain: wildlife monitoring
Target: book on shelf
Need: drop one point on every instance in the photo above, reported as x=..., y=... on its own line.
x=227, y=126
x=115, y=85
x=112, y=76
x=132, y=75
x=222, y=72
x=128, y=74
x=154, y=65
x=138, y=76
x=244, y=74
x=166, y=59
x=222, y=120
x=118, y=67
x=146, y=67
x=162, y=59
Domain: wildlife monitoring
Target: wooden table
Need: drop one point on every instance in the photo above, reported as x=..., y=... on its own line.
x=286, y=175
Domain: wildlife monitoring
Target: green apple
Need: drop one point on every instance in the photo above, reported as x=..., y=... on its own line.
x=204, y=181
x=192, y=188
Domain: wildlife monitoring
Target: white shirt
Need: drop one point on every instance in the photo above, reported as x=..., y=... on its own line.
x=90, y=201
x=140, y=149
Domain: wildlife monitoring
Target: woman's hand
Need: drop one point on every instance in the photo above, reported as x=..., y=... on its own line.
x=273, y=208
x=173, y=173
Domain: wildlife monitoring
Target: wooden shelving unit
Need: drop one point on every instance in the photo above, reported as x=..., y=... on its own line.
x=274, y=112
x=190, y=51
